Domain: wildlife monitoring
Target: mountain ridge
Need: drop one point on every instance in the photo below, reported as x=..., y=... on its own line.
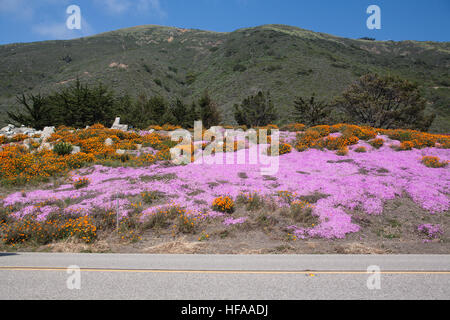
x=176, y=62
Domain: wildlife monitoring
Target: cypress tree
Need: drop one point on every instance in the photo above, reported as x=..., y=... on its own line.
x=209, y=113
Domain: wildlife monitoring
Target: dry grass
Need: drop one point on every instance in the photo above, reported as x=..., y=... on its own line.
x=179, y=246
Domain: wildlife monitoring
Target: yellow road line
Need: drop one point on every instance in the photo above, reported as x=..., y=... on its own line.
x=306, y=272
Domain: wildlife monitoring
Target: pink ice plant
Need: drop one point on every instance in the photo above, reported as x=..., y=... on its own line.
x=232, y=221
x=363, y=181
x=430, y=230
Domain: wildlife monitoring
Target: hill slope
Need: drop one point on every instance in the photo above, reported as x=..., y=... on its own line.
x=178, y=62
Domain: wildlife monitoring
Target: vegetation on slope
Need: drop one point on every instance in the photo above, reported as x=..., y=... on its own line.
x=173, y=62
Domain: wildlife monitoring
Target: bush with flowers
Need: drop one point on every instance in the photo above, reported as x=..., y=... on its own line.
x=376, y=143
x=293, y=127
x=342, y=151
x=301, y=211
x=405, y=145
x=251, y=200
x=430, y=230
x=361, y=149
x=433, y=162
x=223, y=204
x=81, y=183
x=283, y=148
x=44, y=232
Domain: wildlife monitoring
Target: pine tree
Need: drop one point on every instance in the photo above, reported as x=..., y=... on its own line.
x=385, y=102
x=169, y=118
x=209, y=113
x=80, y=105
x=310, y=111
x=37, y=112
x=255, y=111
x=179, y=110
x=157, y=106
x=126, y=109
x=192, y=115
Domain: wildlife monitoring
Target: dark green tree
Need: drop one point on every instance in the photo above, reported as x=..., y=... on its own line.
x=37, y=113
x=80, y=105
x=192, y=115
x=169, y=118
x=255, y=111
x=157, y=106
x=126, y=109
x=180, y=112
x=385, y=102
x=209, y=113
x=310, y=112
x=141, y=113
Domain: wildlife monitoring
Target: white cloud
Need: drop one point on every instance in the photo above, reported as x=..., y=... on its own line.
x=59, y=31
x=115, y=6
x=152, y=7
x=25, y=9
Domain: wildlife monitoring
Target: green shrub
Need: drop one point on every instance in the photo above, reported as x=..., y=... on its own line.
x=301, y=211
x=151, y=196
x=81, y=183
x=63, y=148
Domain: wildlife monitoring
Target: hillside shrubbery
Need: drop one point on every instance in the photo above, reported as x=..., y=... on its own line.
x=380, y=102
x=255, y=111
x=81, y=105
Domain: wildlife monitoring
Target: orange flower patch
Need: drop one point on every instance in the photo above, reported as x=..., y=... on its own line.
x=223, y=204
x=376, y=143
x=406, y=145
x=433, y=162
x=294, y=127
x=342, y=151
x=282, y=149
x=43, y=232
x=19, y=137
x=81, y=183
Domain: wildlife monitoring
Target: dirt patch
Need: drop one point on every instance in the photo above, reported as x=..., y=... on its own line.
x=101, y=246
x=180, y=246
x=118, y=65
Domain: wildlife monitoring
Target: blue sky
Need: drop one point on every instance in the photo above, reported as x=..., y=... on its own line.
x=36, y=20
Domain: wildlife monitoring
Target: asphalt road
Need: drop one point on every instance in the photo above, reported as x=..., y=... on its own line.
x=135, y=276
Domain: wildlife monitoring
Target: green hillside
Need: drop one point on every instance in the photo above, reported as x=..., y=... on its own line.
x=175, y=62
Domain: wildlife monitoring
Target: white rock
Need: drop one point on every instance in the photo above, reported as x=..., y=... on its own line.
x=116, y=122
x=47, y=132
x=76, y=149
x=117, y=126
x=108, y=142
x=120, y=151
x=8, y=128
x=45, y=146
